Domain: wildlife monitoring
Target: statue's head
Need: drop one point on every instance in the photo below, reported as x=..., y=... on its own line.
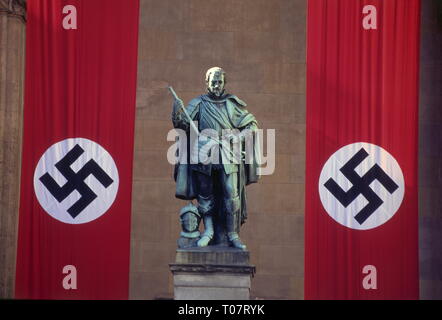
x=216, y=81
x=190, y=218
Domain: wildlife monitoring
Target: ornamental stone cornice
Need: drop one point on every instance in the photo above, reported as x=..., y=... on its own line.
x=13, y=8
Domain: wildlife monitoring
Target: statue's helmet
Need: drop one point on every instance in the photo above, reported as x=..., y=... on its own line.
x=190, y=218
x=216, y=81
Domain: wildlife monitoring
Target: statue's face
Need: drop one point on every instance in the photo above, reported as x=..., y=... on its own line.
x=189, y=222
x=216, y=83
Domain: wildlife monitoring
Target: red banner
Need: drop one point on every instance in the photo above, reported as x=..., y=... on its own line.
x=76, y=182
x=361, y=227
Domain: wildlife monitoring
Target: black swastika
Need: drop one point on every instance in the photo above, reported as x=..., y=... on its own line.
x=75, y=181
x=361, y=185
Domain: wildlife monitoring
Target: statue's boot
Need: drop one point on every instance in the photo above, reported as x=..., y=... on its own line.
x=232, y=235
x=208, y=231
x=235, y=241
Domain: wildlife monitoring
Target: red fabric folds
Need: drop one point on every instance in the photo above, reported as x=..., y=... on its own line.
x=362, y=87
x=80, y=87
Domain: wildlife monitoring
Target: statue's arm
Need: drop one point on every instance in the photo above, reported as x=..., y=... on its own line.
x=248, y=119
x=179, y=119
x=253, y=126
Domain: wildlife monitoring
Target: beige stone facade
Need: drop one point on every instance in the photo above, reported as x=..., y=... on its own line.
x=261, y=45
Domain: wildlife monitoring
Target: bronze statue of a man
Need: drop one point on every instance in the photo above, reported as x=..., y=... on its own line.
x=218, y=183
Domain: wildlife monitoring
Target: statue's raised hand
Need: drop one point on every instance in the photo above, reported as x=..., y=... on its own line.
x=178, y=105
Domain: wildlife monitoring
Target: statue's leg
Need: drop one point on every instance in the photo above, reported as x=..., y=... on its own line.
x=233, y=206
x=206, y=205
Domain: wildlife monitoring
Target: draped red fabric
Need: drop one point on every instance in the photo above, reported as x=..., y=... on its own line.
x=76, y=181
x=361, y=226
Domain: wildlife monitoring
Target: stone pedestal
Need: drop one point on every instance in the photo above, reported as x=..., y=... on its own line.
x=212, y=273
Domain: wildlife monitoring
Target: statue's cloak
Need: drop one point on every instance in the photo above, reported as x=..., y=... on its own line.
x=240, y=119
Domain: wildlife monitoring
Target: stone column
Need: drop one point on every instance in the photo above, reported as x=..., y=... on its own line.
x=12, y=67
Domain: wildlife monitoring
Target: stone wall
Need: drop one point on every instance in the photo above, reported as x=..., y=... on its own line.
x=430, y=151
x=261, y=45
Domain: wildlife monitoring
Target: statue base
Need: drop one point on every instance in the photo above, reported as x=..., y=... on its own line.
x=212, y=273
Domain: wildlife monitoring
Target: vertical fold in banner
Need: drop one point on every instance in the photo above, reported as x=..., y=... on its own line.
x=76, y=182
x=361, y=227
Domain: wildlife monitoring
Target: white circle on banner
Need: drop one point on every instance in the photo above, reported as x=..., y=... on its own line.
x=76, y=181
x=361, y=186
